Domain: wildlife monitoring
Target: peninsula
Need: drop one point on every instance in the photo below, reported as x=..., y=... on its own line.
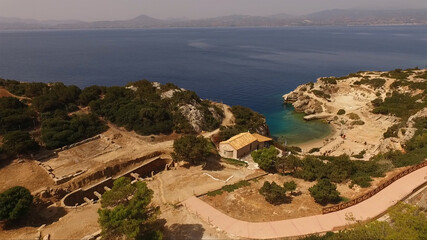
x=153, y=160
x=370, y=112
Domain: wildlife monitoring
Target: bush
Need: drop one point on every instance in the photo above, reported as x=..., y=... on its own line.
x=321, y=94
x=325, y=192
x=353, y=116
x=275, y=194
x=313, y=150
x=375, y=83
x=191, y=149
x=360, y=155
x=392, y=131
x=15, y=203
x=400, y=104
x=293, y=149
x=357, y=122
x=329, y=80
x=341, y=112
x=232, y=187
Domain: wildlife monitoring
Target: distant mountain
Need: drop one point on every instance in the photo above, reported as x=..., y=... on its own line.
x=20, y=23
x=368, y=17
x=344, y=17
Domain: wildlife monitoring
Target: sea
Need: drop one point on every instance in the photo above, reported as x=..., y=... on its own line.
x=252, y=67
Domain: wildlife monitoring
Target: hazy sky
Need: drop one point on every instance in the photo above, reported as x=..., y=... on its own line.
x=124, y=9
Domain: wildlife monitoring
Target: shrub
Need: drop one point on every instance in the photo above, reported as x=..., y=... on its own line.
x=329, y=80
x=360, y=155
x=377, y=102
x=357, y=122
x=341, y=112
x=375, y=83
x=232, y=187
x=400, y=104
x=276, y=194
x=392, y=131
x=353, y=116
x=325, y=192
x=293, y=149
x=321, y=94
x=313, y=150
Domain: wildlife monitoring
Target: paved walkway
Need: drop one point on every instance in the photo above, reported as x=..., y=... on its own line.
x=365, y=210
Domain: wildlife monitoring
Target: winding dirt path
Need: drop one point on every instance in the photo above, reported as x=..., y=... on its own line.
x=366, y=210
x=227, y=121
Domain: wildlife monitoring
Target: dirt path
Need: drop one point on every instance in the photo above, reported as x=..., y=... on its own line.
x=227, y=121
x=6, y=93
x=363, y=211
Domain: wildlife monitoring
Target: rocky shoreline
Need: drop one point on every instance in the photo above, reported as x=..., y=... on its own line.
x=347, y=104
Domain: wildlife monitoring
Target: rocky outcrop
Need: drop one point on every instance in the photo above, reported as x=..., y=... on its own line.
x=194, y=116
x=302, y=101
x=263, y=129
x=169, y=93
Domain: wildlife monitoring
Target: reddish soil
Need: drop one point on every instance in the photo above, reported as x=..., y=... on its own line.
x=5, y=93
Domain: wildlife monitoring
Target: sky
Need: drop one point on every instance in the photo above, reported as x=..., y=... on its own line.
x=94, y=10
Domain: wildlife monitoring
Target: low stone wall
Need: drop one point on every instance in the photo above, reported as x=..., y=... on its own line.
x=110, y=171
x=78, y=143
x=374, y=191
x=148, y=169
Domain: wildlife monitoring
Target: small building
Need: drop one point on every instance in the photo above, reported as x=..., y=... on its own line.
x=242, y=144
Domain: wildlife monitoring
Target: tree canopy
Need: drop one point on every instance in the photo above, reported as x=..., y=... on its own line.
x=266, y=157
x=245, y=120
x=61, y=130
x=15, y=115
x=19, y=142
x=15, y=203
x=191, y=148
x=127, y=211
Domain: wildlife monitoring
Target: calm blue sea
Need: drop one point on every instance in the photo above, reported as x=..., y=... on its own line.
x=253, y=67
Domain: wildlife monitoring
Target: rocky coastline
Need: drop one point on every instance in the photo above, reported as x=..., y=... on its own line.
x=347, y=104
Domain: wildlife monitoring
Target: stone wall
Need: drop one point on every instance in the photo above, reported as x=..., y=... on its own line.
x=147, y=169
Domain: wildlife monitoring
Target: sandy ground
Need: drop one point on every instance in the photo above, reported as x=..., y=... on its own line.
x=66, y=224
x=26, y=173
x=249, y=205
x=173, y=186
